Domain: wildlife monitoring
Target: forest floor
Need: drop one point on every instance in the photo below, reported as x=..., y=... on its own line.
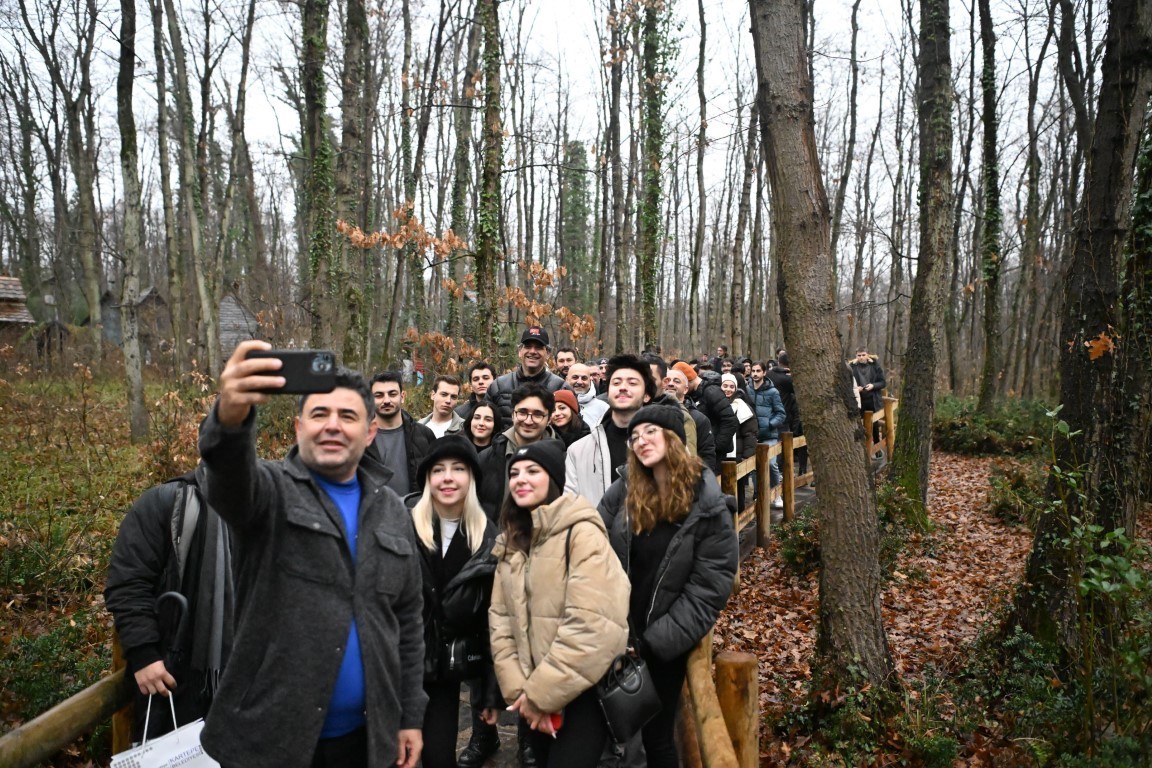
x=948, y=586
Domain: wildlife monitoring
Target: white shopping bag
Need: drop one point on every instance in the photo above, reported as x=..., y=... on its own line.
x=178, y=749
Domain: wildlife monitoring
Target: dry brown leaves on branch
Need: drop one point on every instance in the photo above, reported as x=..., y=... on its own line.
x=942, y=593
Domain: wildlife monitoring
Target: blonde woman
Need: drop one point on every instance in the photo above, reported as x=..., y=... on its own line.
x=671, y=527
x=456, y=539
x=559, y=610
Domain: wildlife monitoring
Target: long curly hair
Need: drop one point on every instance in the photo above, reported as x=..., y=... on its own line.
x=646, y=503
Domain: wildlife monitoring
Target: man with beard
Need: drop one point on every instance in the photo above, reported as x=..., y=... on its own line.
x=770, y=415
x=592, y=408
x=593, y=462
x=400, y=443
x=566, y=357
x=705, y=393
x=676, y=387
x=532, y=407
x=533, y=369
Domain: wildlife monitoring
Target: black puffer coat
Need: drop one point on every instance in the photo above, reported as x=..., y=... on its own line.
x=457, y=593
x=696, y=574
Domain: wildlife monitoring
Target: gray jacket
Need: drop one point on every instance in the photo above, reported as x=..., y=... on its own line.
x=298, y=589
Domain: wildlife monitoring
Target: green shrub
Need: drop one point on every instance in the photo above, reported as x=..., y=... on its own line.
x=800, y=542
x=1014, y=427
x=40, y=669
x=1018, y=491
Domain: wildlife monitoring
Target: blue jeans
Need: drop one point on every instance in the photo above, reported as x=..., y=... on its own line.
x=774, y=465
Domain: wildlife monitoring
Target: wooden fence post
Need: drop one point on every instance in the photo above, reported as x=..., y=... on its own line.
x=736, y=687
x=890, y=425
x=715, y=744
x=788, y=480
x=122, y=720
x=728, y=485
x=869, y=446
x=688, y=740
x=763, y=497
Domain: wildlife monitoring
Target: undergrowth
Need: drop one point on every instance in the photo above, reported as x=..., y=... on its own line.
x=1012, y=428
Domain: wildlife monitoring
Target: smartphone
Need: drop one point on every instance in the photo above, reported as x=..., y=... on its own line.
x=305, y=371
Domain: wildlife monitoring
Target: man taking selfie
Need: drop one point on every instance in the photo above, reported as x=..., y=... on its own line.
x=327, y=661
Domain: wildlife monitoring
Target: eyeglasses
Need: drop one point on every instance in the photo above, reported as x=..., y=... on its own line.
x=646, y=434
x=526, y=415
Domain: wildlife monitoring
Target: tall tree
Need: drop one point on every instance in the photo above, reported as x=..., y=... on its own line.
x=70, y=71
x=325, y=282
x=653, y=85
x=172, y=249
x=1048, y=604
x=489, y=223
x=918, y=390
x=133, y=224
x=191, y=201
x=851, y=638
x=991, y=258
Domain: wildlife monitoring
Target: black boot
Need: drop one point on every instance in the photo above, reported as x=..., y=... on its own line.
x=524, y=751
x=481, y=746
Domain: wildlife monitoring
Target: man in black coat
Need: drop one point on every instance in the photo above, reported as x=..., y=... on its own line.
x=533, y=369
x=705, y=393
x=172, y=541
x=870, y=384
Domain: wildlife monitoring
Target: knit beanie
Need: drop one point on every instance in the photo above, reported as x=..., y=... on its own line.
x=729, y=377
x=662, y=416
x=688, y=371
x=568, y=397
x=549, y=454
x=450, y=447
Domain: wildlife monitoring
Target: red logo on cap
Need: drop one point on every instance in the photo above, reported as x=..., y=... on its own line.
x=534, y=331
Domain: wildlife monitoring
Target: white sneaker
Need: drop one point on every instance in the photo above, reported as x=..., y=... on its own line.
x=777, y=503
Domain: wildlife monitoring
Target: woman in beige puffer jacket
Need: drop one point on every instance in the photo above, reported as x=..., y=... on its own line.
x=559, y=611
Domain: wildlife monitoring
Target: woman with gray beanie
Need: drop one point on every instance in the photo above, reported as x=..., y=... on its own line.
x=670, y=525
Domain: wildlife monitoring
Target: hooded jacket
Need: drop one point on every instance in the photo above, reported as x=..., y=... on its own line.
x=298, y=589
x=770, y=413
x=559, y=612
x=695, y=576
x=872, y=373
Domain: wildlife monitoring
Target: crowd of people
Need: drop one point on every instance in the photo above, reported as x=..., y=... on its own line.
x=516, y=540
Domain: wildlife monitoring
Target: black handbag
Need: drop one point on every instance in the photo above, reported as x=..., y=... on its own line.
x=627, y=697
x=463, y=658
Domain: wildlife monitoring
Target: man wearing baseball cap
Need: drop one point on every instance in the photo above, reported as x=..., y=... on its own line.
x=533, y=369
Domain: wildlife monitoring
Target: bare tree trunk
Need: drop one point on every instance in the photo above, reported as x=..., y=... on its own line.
x=325, y=281
x=133, y=225
x=616, y=47
x=851, y=639
x=991, y=256
x=462, y=164
x=172, y=247
x=850, y=150
x=191, y=201
x=737, y=301
x=918, y=391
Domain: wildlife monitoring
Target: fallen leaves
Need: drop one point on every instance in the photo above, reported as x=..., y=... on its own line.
x=946, y=587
